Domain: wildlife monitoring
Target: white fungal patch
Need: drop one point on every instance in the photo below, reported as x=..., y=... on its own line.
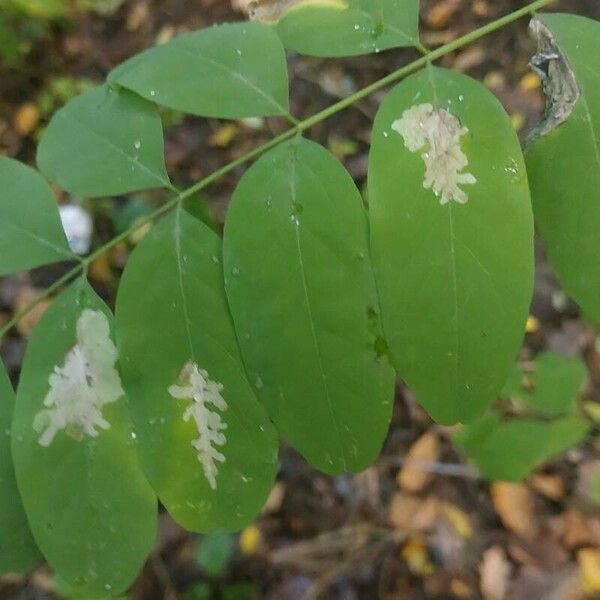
x=195, y=386
x=85, y=383
x=438, y=132
x=272, y=11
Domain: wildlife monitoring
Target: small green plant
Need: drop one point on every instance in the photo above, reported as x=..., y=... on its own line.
x=298, y=321
x=25, y=22
x=537, y=419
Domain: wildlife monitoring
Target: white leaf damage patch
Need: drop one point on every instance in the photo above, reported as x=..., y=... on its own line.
x=195, y=386
x=85, y=383
x=439, y=132
x=272, y=11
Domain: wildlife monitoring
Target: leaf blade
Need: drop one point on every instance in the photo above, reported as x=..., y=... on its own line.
x=509, y=451
x=229, y=71
x=28, y=209
x=70, y=485
x=184, y=255
x=104, y=143
x=567, y=208
x=346, y=28
x=454, y=301
x=303, y=300
x=18, y=551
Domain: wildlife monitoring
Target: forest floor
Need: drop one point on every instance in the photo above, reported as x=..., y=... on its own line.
x=433, y=532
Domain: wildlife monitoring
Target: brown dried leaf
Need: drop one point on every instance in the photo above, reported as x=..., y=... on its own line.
x=514, y=504
x=24, y=298
x=543, y=552
x=580, y=529
x=410, y=513
x=138, y=16
x=460, y=589
x=481, y=8
x=494, y=572
x=469, y=58
x=440, y=14
x=534, y=584
x=412, y=477
x=551, y=486
x=275, y=499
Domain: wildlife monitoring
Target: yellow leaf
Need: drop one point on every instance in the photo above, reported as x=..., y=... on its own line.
x=100, y=269
x=494, y=80
x=481, y=8
x=459, y=521
x=589, y=569
x=250, y=540
x=530, y=82
x=460, y=589
x=592, y=409
x=417, y=558
x=533, y=324
x=518, y=121
x=27, y=118
x=223, y=136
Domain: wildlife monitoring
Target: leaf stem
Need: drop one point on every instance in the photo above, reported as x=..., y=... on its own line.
x=299, y=127
x=66, y=278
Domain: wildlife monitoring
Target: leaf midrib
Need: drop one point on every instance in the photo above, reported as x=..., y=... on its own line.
x=293, y=191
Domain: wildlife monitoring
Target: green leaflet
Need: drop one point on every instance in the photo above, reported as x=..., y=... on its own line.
x=564, y=161
x=30, y=230
x=343, y=27
x=214, y=553
x=171, y=310
x=229, y=71
x=300, y=286
x=18, y=551
x=454, y=279
x=510, y=450
x=553, y=388
x=90, y=509
x=104, y=143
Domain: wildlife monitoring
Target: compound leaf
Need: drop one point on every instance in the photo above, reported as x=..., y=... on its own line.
x=30, y=230
x=91, y=511
x=18, y=552
x=301, y=290
x=563, y=159
x=451, y=238
x=229, y=71
x=343, y=27
x=104, y=143
x=178, y=347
